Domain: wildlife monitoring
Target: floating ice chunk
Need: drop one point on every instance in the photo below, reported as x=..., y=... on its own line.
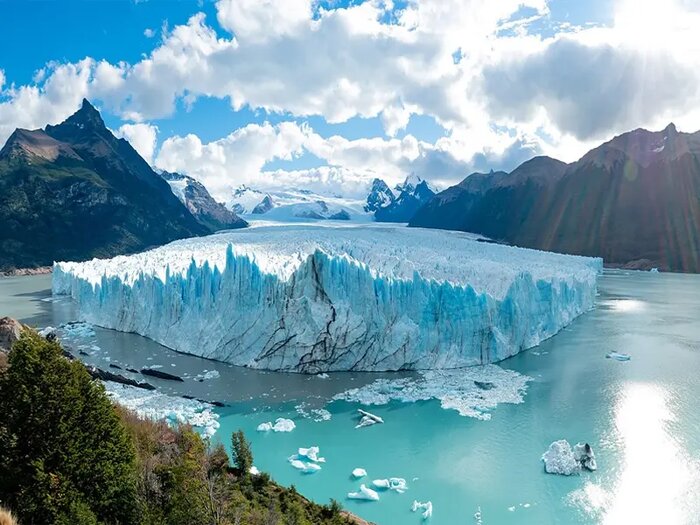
x=426, y=507
x=315, y=414
x=154, y=405
x=368, y=419
x=366, y=422
x=304, y=466
x=365, y=493
x=364, y=413
x=322, y=375
x=281, y=425
x=311, y=454
x=477, y=516
x=254, y=470
x=380, y=483
x=397, y=484
x=208, y=374
x=560, y=459
x=46, y=331
x=359, y=473
x=654, y=270
x=311, y=468
x=617, y=356
x=297, y=464
x=585, y=456
x=455, y=389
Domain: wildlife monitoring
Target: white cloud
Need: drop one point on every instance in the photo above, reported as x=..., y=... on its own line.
x=236, y=159
x=33, y=106
x=512, y=93
x=149, y=33
x=242, y=158
x=142, y=137
x=260, y=20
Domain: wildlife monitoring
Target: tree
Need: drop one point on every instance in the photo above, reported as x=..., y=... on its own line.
x=242, y=454
x=65, y=456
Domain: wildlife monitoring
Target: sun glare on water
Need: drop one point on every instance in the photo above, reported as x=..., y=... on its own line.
x=657, y=474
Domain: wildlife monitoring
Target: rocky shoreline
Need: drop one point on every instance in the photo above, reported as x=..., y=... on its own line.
x=41, y=270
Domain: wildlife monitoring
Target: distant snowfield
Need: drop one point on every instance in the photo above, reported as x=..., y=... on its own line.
x=327, y=297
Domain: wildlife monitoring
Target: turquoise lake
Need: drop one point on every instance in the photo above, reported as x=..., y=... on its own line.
x=642, y=417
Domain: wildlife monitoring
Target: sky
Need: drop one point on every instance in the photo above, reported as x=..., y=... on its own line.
x=329, y=94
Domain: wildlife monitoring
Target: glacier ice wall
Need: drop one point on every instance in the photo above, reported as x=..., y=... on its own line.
x=307, y=306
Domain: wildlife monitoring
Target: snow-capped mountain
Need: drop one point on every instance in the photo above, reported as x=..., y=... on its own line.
x=413, y=193
x=245, y=199
x=200, y=203
x=380, y=196
x=295, y=204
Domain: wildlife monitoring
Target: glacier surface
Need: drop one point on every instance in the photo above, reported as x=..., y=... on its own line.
x=313, y=299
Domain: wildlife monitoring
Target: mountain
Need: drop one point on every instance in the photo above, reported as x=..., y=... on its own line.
x=201, y=204
x=634, y=200
x=380, y=196
x=412, y=194
x=294, y=205
x=75, y=191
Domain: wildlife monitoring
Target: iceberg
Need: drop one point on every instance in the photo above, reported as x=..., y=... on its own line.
x=455, y=389
x=583, y=453
x=311, y=454
x=365, y=493
x=317, y=299
x=368, y=419
x=426, y=507
x=306, y=468
x=281, y=425
x=397, y=484
x=359, y=473
x=618, y=356
x=560, y=458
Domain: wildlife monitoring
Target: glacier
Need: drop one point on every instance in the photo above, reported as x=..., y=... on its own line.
x=316, y=298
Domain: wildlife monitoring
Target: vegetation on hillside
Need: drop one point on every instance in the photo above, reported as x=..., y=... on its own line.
x=69, y=456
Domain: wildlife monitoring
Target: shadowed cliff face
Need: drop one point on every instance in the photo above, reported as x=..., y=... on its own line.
x=75, y=191
x=635, y=201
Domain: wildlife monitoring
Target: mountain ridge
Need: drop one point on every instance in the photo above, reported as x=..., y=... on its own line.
x=634, y=200
x=74, y=191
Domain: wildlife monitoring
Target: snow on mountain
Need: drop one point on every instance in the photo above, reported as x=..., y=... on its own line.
x=315, y=298
x=245, y=199
x=200, y=203
x=380, y=196
x=294, y=205
x=413, y=193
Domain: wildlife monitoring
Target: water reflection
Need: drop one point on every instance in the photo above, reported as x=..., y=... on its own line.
x=624, y=305
x=657, y=472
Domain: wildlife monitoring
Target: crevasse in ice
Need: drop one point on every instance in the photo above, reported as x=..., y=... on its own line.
x=313, y=299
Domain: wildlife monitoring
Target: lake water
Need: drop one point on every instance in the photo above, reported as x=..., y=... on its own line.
x=641, y=417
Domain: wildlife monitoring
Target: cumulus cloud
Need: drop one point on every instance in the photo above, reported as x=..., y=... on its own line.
x=142, y=137
x=511, y=93
x=350, y=165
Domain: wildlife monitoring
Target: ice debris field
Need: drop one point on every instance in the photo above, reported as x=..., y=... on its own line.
x=309, y=298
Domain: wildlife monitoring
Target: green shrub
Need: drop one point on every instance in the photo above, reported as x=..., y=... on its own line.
x=65, y=456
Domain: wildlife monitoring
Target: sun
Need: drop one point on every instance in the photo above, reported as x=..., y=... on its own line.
x=649, y=24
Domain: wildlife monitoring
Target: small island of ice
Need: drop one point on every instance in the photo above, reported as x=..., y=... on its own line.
x=561, y=458
x=313, y=299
